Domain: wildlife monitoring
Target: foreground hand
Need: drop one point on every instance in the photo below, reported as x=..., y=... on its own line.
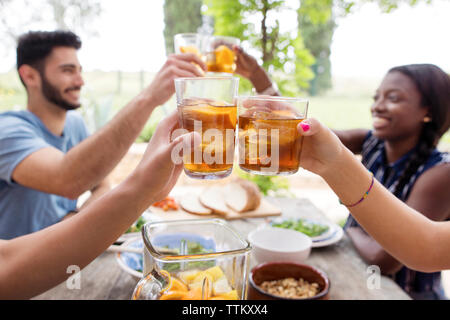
x=176, y=66
x=157, y=172
x=321, y=149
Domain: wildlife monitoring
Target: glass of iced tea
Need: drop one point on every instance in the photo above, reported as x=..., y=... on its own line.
x=207, y=105
x=220, y=57
x=187, y=43
x=269, y=142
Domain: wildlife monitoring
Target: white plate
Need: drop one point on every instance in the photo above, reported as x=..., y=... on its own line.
x=331, y=236
x=130, y=262
x=335, y=238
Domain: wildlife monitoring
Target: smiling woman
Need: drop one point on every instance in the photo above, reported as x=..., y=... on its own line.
x=411, y=111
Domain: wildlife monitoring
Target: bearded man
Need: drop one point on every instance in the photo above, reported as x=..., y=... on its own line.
x=47, y=158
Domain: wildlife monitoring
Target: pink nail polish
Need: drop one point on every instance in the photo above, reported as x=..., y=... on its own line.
x=305, y=126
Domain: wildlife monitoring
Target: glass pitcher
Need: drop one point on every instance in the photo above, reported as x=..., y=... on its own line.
x=201, y=259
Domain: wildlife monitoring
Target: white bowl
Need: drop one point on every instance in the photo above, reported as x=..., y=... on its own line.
x=272, y=244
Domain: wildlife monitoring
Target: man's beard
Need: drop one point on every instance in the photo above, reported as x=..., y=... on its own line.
x=52, y=94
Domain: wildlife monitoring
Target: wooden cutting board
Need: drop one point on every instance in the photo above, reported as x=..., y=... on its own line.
x=265, y=209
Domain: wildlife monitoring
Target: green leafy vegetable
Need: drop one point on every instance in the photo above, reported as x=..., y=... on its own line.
x=192, y=248
x=307, y=227
x=278, y=185
x=136, y=227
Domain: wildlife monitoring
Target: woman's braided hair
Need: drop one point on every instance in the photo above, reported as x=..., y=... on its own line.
x=434, y=87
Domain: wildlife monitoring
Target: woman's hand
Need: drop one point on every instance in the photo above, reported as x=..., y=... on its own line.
x=322, y=150
x=158, y=171
x=248, y=67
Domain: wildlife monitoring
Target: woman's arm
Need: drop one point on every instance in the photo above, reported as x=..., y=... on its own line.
x=248, y=67
x=371, y=251
x=429, y=196
x=403, y=232
x=410, y=237
x=352, y=139
x=98, y=191
x=36, y=262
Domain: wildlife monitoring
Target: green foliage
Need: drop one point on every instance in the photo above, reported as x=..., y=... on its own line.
x=147, y=132
x=268, y=185
x=228, y=18
x=316, y=22
x=293, y=58
x=345, y=7
x=389, y=5
x=283, y=54
x=180, y=16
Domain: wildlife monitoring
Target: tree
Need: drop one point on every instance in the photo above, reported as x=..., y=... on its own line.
x=296, y=54
x=180, y=16
x=316, y=22
x=75, y=14
x=20, y=16
x=283, y=54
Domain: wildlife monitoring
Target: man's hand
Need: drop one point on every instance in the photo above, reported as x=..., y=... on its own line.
x=176, y=66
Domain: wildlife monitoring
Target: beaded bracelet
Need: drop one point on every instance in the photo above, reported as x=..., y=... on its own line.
x=363, y=197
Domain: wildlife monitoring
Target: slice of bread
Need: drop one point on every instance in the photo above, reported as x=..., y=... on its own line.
x=242, y=195
x=190, y=203
x=213, y=198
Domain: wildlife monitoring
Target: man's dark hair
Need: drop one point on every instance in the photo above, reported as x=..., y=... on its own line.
x=33, y=47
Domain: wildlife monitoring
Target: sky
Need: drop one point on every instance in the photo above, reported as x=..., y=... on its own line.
x=365, y=44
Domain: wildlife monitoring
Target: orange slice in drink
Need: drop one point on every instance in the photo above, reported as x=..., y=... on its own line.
x=173, y=295
x=232, y=295
x=224, y=55
x=225, y=117
x=285, y=114
x=189, y=49
x=195, y=294
x=177, y=285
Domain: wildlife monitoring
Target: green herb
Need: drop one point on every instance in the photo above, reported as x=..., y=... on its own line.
x=136, y=227
x=309, y=228
x=193, y=247
x=266, y=183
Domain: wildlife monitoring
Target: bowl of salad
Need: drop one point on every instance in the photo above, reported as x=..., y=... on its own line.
x=321, y=233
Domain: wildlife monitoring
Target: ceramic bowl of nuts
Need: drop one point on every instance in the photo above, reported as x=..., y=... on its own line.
x=288, y=281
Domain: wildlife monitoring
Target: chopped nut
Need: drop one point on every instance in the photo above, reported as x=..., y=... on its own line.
x=291, y=288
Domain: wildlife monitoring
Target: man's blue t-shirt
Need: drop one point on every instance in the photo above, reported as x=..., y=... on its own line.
x=24, y=210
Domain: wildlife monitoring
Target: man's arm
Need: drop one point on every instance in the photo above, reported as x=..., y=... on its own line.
x=96, y=193
x=85, y=165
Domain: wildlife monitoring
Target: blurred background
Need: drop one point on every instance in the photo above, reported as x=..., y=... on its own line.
x=335, y=52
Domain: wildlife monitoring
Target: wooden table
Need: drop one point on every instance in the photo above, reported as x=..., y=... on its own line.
x=347, y=272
